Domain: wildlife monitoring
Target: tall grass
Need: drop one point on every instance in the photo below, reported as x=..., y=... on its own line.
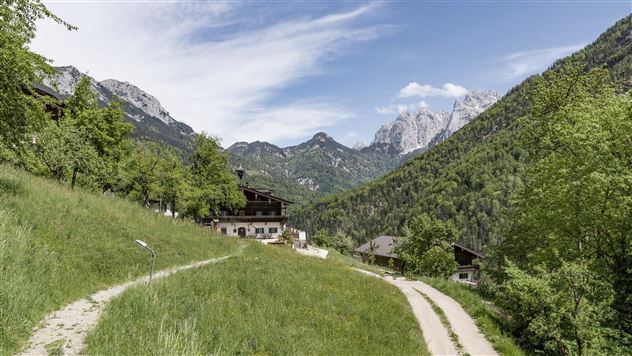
x=268, y=301
x=58, y=245
x=486, y=317
x=337, y=257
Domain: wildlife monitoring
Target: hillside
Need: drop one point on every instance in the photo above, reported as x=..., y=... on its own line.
x=323, y=166
x=311, y=169
x=59, y=245
x=470, y=177
x=151, y=121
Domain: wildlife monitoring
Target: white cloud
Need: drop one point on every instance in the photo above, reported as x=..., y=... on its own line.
x=189, y=56
x=449, y=90
x=521, y=64
x=395, y=109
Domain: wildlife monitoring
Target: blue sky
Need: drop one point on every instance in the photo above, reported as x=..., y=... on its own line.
x=282, y=71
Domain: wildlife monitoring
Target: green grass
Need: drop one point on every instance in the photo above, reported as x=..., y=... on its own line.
x=59, y=245
x=337, y=257
x=486, y=318
x=267, y=301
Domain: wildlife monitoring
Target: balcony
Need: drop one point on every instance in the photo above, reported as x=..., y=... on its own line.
x=252, y=218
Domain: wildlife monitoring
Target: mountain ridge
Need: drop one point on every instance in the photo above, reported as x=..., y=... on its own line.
x=151, y=121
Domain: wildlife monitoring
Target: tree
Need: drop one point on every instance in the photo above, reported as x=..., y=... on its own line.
x=576, y=202
x=560, y=311
x=171, y=179
x=103, y=128
x=21, y=111
x=373, y=247
x=214, y=185
x=426, y=247
x=342, y=243
x=321, y=238
x=141, y=169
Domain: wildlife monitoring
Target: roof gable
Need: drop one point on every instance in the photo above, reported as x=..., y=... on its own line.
x=264, y=194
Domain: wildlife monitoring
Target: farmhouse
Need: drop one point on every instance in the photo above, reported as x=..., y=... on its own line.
x=467, y=270
x=263, y=217
x=383, y=252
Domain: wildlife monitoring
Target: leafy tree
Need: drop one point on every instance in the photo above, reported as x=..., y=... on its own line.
x=21, y=111
x=576, y=202
x=171, y=179
x=321, y=238
x=343, y=243
x=426, y=247
x=214, y=185
x=287, y=236
x=562, y=310
x=141, y=169
x=373, y=247
x=104, y=129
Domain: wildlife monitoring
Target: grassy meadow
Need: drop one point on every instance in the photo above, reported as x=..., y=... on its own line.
x=486, y=318
x=58, y=245
x=270, y=300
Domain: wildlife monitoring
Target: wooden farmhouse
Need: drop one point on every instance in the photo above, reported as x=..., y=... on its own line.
x=467, y=270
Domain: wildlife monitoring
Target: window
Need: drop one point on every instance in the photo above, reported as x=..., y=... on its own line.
x=224, y=213
x=224, y=230
x=234, y=231
x=259, y=213
x=272, y=213
x=464, y=275
x=259, y=230
x=273, y=230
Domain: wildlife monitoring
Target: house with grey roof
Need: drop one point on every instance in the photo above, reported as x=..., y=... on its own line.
x=382, y=252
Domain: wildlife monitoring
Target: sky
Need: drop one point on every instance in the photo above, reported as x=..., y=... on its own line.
x=281, y=71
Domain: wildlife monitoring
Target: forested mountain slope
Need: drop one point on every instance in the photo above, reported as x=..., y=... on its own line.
x=470, y=177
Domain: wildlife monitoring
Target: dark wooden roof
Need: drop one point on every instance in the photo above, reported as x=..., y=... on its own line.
x=46, y=91
x=264, y=193
x=474, y=252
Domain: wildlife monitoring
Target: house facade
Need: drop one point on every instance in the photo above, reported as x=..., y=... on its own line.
x=467, y=269
x=263, y=217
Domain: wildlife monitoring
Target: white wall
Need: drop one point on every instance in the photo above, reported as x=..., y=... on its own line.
x=232, y=229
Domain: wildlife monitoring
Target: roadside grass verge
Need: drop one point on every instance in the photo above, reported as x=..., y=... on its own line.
x=58, y=245
x=268, y=301
x=483, y=314
x=336, y=256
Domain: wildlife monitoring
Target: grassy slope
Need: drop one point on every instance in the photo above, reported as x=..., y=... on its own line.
x=349, y=261
x=268, y=301
x=482, y=313
x=58, y=245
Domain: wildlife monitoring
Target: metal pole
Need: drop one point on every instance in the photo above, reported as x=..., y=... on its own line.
x=153, y=263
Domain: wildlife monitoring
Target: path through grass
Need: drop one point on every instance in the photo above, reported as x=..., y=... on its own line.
x=268, y=301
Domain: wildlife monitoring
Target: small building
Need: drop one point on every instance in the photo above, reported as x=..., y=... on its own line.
x=467, y=270
x=383, y=252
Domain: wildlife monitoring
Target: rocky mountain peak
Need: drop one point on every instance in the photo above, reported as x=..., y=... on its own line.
x=137, y=97
x=415, y=131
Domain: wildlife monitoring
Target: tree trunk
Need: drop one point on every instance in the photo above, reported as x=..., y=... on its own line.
x=73, y=181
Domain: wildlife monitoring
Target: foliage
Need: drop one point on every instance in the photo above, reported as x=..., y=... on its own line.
x=373, y=247
x=21, y=110
x=561, y=311
x=213, y=185
x=342, y=243
x=426, y=247
x=321, y=238
x=575, y=205
x=287, y=236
